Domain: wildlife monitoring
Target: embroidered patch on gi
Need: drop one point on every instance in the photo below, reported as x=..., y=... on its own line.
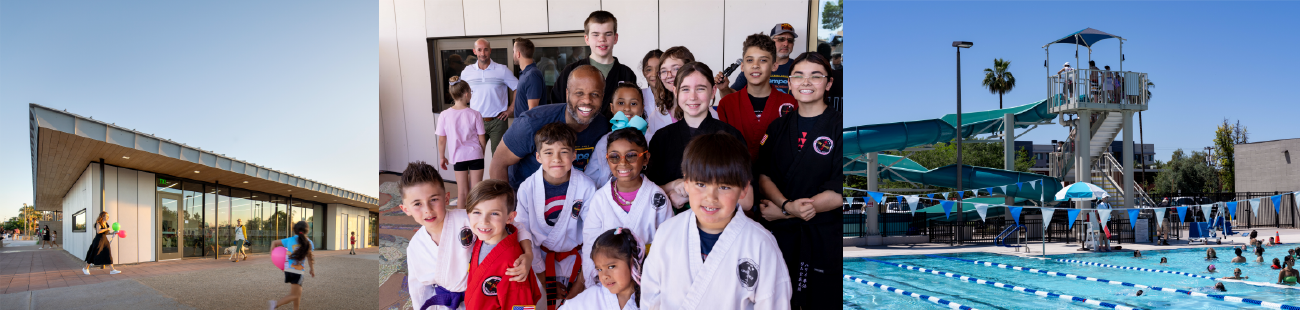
x=660, y=201
x=466, y=237
x=490, y=285
x=823, y=145
x=785, y=109
x=747, y=270
x=577, y=209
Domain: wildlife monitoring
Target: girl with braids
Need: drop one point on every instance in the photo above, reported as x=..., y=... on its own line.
x=99, y=252
x=617, y=255
x=299, y=248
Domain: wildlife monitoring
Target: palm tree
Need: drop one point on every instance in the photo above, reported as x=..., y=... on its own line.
x=998, y=80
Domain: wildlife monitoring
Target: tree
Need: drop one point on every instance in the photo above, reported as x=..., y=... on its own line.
x=1225, y=139
x=1190, y=174
x=998, y=80
x=833, y=15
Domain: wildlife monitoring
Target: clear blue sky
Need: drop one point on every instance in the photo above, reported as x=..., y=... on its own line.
x=289, y=85
x=1209, y=61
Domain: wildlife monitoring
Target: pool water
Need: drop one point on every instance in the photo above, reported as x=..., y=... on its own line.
x=982, y=296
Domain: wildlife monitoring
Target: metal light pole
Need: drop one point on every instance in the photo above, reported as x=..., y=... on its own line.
x=960, y=215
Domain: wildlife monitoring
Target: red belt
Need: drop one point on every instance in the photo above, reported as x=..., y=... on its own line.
x=552, y=284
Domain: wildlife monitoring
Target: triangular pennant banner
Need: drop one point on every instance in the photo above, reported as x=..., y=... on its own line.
x=1015, y=214
x=945, y=195
x=1232, y=209
x=982, y=209
x=1047, y=217
x=1004, y=189
x=1133, y=217
x=1032, y=183
x=961, y=195
x=877, y=196
x=1254, y=207
x=912, y=202
x=1019, y=185
x=1073, y=213
x=931, y=196
x=947, y=208
x=1104, y=215
x=1182, y=214
x=1205, y=211
x=1277, y=204
x=1160, y=216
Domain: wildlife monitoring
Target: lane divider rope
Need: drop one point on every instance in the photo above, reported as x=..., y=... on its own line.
x=1180, y=273
x=1265, y=304
x=937, y=300
x=1007, y=286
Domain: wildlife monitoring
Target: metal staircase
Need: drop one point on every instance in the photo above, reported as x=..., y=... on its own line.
x=1108, y=174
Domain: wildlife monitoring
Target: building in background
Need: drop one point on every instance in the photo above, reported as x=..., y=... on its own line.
x=1143, y=174
x=173, y=200
x=1268, y=166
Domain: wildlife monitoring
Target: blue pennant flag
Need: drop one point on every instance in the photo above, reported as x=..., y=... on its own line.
x=931, y=196
x=1020, y=186
x=1133, y=217
x=1277, y=203
x=961, y=195
x=947, y=208
x=1182, y=211
x=1232, y=209
x=1073, y=213
x=877, y=196
x=990, y=190
x=1015, y=214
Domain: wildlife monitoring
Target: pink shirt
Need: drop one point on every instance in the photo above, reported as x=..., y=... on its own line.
x=462, y=128
x=626, y=197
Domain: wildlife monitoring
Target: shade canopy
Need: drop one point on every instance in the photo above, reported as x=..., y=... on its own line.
x=1086, y=37
x=1080, y=191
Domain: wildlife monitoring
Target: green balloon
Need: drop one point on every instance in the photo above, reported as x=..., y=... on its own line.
x=116, y=227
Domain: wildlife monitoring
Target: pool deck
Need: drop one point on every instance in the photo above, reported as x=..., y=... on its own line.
x=1290, y=237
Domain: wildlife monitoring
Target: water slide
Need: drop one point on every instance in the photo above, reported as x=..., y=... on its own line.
x=865, y=139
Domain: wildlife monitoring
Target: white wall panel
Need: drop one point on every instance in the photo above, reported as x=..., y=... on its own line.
x=694, y=24
x=523, y=16
x=417, y=93
x=567, y=15
x=638, y=31
x=446, y=18
x=747, y=17
x=146, y=229
x=79, y=197
x=482, y=18
x=391, y=120
x=127, y=192
x=111, y=206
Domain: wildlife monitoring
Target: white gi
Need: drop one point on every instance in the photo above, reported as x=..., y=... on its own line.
x=445, y=264
x=567, y=233
x=649, y=209
x=598, y=166
x=598, y=298
x=744, y=270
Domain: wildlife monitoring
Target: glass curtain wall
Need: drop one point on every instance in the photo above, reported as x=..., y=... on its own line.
x=210, y=221
x=373, y=229
x=260, y=228
x=192, y=218
x=170, y=240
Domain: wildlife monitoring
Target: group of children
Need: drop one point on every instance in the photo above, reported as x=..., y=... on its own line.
x=580, y=235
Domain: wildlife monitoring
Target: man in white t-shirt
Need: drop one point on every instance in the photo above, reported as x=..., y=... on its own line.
x=488, y=82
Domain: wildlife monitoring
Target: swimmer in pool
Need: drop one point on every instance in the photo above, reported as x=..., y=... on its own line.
x=1236, y=275
x=1288, y=275
x=1209, y=254
x=1139, y=293
x=1276, y=264
x=1164, y=260
x=1219, y=286
x=1137, y=253
x=1210, y=269
x=1259, y=254
x=1239, y=258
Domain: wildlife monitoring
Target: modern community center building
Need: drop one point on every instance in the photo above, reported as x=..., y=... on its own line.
x=174, y=200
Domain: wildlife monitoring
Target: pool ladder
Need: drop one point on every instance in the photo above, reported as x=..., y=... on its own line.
x=1009, y=232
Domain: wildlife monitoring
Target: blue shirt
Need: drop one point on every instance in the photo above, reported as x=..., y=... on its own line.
x=519, y=138
x=531, y=86
x=707, y=241
x=291, y=244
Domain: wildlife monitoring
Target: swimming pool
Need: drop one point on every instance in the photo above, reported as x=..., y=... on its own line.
x=980, y=286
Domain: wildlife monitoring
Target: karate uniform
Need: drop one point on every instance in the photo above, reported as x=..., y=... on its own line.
x=803, y=163
x=598, y=298
x=598, y=166
x=441, y=267
x=649, y=209
x=736, y=110
x=744, y=270
x=489, y=287
x=560, y=242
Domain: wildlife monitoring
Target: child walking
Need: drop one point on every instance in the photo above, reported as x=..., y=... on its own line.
x=618, y=254
x=628, y=199
x=461, y=138
x=299, y=249
x=353, y=244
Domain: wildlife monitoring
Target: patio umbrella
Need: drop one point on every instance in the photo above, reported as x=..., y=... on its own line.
x=1081, y=191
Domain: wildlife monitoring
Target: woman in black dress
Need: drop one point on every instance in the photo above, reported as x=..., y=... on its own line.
x=99, y=253
x=45, y=237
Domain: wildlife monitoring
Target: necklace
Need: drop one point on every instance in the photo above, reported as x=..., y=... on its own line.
x=619, y=198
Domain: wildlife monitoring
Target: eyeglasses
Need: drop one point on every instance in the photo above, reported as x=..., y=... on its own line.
x=615, y=157
x=815, y=79
x=669, y=71
x=783, y=39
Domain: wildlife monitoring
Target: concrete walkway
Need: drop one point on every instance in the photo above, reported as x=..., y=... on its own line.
x=1290, y=239
x=32, y=278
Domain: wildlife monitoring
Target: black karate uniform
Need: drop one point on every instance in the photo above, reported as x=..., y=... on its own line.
x=669, y=145
x=803, y=158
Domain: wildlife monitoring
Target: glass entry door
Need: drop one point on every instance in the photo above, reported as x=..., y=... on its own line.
x=170, y=226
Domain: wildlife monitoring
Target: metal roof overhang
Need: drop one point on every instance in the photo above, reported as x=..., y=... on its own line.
x=64, y=144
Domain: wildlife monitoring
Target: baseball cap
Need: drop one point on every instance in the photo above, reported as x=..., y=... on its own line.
x=783, y=28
